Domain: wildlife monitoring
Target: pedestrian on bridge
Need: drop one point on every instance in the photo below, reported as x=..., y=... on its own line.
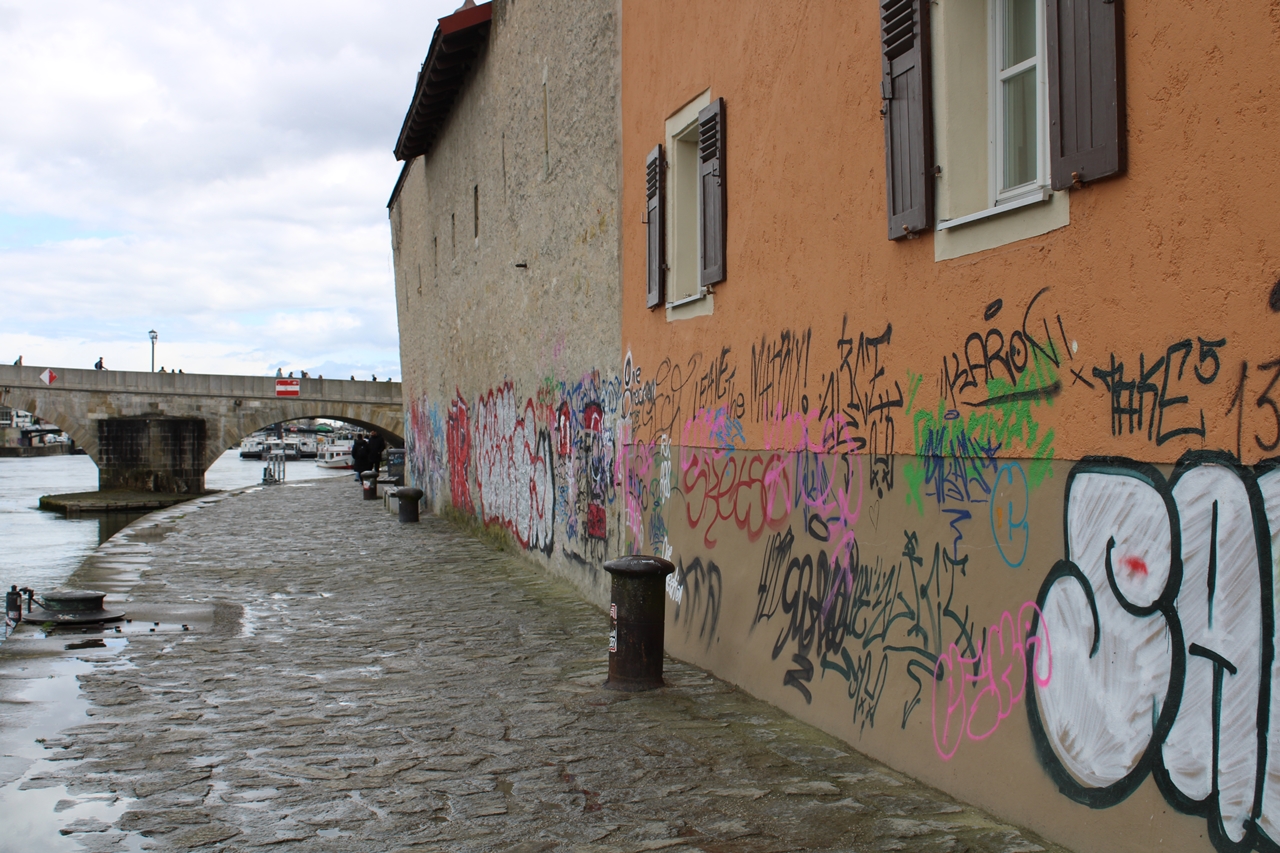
x=99, y=365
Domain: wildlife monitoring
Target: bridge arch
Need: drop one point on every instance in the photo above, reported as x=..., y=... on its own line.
x=161, y=432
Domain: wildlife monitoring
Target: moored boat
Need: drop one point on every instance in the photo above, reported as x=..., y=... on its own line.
x=335, y=454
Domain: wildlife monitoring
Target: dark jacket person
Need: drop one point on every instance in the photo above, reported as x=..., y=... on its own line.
x=360, y=456
x=376, y=446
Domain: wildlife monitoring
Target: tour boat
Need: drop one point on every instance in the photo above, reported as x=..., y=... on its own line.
x=288, y=447
x=335, y=455
x=251, y=448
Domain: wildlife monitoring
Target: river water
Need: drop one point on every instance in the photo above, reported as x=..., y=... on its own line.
x=41, y=549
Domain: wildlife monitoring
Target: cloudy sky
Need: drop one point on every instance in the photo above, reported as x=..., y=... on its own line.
x=218, y=172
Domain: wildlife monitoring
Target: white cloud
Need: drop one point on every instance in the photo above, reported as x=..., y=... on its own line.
x=218, y=172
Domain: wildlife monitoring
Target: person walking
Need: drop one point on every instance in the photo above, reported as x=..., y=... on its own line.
x=99, y=365
x=360, y=456
x=376, y=446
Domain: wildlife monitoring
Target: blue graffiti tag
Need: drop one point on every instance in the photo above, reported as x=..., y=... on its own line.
x=1007, y=508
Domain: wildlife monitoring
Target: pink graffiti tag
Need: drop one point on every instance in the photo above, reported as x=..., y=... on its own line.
x=981, y=691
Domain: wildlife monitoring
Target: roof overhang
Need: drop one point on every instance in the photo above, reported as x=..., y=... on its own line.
x=456, y=41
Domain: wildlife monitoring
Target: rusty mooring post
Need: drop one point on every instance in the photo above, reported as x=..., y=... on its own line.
x=369, y=482
x=638, y=616
x=409, y=498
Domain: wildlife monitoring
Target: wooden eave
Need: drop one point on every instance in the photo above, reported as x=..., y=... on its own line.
x=454, y=46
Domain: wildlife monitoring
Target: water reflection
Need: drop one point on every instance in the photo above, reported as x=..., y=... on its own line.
x=111, y=523
x=41, y=549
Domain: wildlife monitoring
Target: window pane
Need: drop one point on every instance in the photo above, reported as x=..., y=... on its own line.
x=1019, y=27
x=1019, y=129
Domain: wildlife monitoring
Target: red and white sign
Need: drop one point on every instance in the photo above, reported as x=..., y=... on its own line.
x=288, y=387
x=48, y=376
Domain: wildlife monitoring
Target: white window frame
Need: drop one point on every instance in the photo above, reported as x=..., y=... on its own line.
x=684, y=194
x=684, y=234
x=1038, y=189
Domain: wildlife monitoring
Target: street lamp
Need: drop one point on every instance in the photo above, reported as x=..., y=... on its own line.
x=152, y=334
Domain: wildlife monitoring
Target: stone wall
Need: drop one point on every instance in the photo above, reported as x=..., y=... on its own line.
x=506, y=262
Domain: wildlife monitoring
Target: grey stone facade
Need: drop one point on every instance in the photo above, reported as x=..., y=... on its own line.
x=506, y=244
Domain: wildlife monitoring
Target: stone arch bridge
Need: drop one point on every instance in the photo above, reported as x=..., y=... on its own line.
x=161, y=431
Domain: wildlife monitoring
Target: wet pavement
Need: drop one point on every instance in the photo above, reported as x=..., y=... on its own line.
x=302, y=672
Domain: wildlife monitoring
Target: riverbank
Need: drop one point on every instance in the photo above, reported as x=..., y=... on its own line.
x=347, y=682
x=23, y=452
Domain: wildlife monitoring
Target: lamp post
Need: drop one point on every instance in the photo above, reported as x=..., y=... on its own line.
x=152, y=334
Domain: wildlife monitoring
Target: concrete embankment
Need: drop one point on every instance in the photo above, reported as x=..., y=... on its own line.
x=346, y=682
x=75, y=503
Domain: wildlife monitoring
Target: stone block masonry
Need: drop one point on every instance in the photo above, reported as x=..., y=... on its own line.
x=152, y=454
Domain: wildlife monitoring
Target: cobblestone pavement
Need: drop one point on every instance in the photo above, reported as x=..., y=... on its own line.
x=361, y=685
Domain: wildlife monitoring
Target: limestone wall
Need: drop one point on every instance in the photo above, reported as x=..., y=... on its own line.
x=506, y=261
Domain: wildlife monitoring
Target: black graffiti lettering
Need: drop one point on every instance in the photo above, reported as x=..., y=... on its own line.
x=797, y=677
x=1079, y=377
x=1165, y=401
x=1209, y=352
x=1264, y=399
x=991, y=354
x=700, y=596
x=1237, y=404
x=1141, y=405
x=779, y=373
x=1052, y=352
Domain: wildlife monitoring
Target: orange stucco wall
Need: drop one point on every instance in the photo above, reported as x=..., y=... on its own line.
x=1181, y=247
x=796, y=450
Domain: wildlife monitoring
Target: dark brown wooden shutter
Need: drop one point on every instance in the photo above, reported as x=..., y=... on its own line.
x=908, y=115
x=655, y=205
x=1086, y=90
x=711, y=195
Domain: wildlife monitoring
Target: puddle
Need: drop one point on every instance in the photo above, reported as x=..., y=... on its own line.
x=35, y=818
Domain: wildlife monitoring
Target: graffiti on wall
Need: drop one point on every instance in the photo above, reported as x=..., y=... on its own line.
x=1163, y=624
x=459, y=446
x=514, y=479
x=427, y=454
x=841, y=608
x=542, y=467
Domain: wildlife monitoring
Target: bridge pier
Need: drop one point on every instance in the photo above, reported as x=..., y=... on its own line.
x=152, y=454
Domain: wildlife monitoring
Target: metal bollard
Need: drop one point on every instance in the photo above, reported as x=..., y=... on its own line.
x=409, y=498
x=369, y=482
x=13, y=604
x=638, y=612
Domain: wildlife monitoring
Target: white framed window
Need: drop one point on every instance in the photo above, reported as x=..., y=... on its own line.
x=682, y=213
x=991, y=119
x=1018, y=102
x=685, y=211
x=688, y=292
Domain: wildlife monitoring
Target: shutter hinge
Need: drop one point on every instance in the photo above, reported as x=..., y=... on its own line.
x=886, y=89
x=937, y=171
